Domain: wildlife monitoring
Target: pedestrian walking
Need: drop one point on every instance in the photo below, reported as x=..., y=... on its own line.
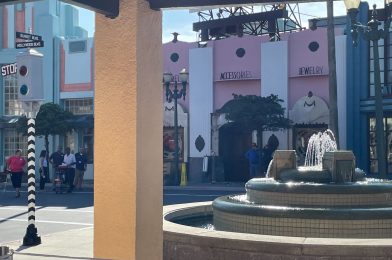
x=43, y=169
x=15, y=166
x=267, y=153
x=81, y=166
x=56, y=159
x=253, y=156
x=70, y=162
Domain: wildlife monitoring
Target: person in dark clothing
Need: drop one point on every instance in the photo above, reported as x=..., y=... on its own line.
x=43, y=169
x=56, y=159
x=267, y=153
x=81, y=166
x=253, y=156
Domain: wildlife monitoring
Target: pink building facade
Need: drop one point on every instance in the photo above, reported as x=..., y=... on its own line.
x=291, y=68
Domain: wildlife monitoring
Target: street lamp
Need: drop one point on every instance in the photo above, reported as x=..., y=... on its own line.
x=371, y=33
x=175, y=95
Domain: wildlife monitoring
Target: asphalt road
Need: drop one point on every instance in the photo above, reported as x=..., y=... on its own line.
x=177, y=196
x=61, y=212
x=54, y=213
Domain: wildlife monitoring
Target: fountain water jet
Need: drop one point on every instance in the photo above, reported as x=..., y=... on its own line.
x=318, y=144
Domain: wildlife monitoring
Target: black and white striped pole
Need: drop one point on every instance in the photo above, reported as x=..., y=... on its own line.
x=31, y=238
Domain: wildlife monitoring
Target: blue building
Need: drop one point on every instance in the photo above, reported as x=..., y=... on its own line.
x=67, y=72
x=361, y=137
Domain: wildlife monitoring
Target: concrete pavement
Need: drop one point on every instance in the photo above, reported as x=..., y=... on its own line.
x=78, y=243
x=72, y=244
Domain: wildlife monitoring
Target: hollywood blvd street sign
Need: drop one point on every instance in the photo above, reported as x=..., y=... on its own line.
x=31, y=40
x=35, y=44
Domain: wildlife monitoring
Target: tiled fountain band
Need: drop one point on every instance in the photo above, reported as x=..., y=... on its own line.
x=230, y=215
x=267, y=192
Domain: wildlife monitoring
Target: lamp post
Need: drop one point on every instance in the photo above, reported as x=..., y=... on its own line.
x=371, y=33
x=175, y=95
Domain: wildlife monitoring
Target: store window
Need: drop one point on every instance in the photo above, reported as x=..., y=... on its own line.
x=13, y=141
x=12, y=107
x=81, y=106
x=385, y=59
x=88, y=143
x=373, y=143
x=371, y=67
x=69, y=141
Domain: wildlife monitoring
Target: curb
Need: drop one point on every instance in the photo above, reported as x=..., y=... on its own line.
x=217, y=187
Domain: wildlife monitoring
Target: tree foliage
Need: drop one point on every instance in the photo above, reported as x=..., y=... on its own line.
x=51, y=120
x=255, y=112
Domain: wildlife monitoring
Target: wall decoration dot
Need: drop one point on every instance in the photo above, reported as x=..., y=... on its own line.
x=313, y=46
x=240, y=52
x=199, y=143
x=174, y=57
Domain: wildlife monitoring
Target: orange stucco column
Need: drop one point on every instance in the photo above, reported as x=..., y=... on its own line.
x=128, y=134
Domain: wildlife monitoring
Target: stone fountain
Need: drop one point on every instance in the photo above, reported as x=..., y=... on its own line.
x=326, y=198
x=325, y=209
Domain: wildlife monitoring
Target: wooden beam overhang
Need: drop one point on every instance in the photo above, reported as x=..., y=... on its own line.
x=109, y=8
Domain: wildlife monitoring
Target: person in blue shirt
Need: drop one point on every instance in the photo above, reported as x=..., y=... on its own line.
x=253, y=156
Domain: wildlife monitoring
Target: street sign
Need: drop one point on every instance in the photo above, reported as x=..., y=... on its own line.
x=28, y=36
x=9, y=69
x=31, y=44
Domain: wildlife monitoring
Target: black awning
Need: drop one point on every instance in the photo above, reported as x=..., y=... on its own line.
x=8, y=121
x=82, y=121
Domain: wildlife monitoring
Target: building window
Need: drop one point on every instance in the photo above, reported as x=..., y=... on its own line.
x=12, y=107
x=88, y=143
x=77, y=46
x=20, y=7
x=13, y=141
x=373, y=143
x=371, y=66
x=69, y=141
x=58, y=7
x=385, y=59
x=81, y=106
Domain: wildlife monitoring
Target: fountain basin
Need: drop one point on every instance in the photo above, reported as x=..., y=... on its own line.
x=368, y=193
x=191, y=243
x=333, y=210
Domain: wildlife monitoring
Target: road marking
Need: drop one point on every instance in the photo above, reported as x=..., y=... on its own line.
x=39, y=208
x=48, y=221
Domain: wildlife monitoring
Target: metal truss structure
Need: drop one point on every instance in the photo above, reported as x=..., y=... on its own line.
x=271, y=19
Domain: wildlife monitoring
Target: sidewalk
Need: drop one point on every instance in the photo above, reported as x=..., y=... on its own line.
x=72, y=244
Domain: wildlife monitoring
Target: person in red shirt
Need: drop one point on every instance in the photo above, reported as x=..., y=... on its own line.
x=15, y=165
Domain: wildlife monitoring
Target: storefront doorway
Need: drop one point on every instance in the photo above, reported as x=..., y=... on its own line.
x=233, y=144
x=301, y=135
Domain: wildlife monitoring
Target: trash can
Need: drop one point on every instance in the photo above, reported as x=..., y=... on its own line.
x=6, y=253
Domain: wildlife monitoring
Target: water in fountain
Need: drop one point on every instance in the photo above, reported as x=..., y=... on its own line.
x=318, y=144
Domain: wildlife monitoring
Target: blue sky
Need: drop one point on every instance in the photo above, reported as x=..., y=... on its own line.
x=181, y=21
x=87, y=20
